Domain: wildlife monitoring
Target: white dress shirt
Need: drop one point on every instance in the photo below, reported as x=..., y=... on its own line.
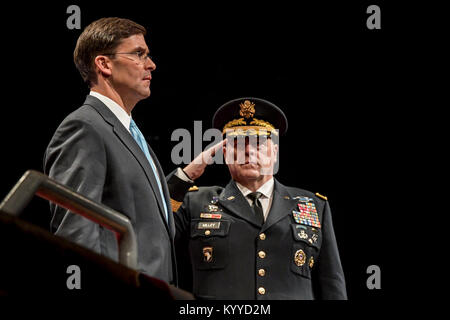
x=267, y=195
x=125, y=119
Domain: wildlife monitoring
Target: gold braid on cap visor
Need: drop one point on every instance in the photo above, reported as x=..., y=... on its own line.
x=239, y=127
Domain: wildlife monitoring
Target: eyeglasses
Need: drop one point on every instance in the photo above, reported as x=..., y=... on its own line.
x=141, y=55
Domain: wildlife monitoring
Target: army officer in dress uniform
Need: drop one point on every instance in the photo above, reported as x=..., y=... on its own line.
x=255, y=238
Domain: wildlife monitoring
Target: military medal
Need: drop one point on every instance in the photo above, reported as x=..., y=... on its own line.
x=302, y=235
x=311, y=262
x=213, y=208
x=307, y=214
x=210, y=215
x=299, y=258
x=303, y=199
x=296, y=216
x=214, y=200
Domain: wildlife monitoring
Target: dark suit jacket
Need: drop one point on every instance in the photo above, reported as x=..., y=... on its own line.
x=225, y=258
x=92, y=153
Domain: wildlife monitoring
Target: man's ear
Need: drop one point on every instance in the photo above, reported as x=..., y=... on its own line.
x=103, y=64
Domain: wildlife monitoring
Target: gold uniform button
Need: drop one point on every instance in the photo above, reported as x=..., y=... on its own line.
x=207, y=233
x=262, y=236
x=261, y=290
x=262, y=272
x=262, y=254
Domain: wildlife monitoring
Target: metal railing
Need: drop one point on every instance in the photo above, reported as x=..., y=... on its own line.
x=35, y=183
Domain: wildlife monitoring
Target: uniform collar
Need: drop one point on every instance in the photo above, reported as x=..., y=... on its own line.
x=266, y=189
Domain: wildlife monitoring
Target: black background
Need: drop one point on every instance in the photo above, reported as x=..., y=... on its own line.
x=341, y=86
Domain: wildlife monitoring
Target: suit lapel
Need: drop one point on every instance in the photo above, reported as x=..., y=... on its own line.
x=165, y=190
x=234, y=201
x=127, y=139
x=282, y=205
x=137, y=152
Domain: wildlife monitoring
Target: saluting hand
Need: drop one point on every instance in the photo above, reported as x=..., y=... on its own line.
x=196, y=168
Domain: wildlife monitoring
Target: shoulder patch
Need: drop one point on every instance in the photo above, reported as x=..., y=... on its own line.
x=175, y=204
x=321, y=196
x=194, y=188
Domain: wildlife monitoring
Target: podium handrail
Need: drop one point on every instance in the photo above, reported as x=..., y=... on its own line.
x=36, y=183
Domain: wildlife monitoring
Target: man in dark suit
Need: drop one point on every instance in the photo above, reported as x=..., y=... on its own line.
x=99, y=151
x=255, y=238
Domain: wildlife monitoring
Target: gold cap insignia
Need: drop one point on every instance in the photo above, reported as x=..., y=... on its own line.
x=247, y=109
x=207, y=254
x=245, y=127
x=300, y=258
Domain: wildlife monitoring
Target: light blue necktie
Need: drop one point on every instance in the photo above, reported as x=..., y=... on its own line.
x=137, y=135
